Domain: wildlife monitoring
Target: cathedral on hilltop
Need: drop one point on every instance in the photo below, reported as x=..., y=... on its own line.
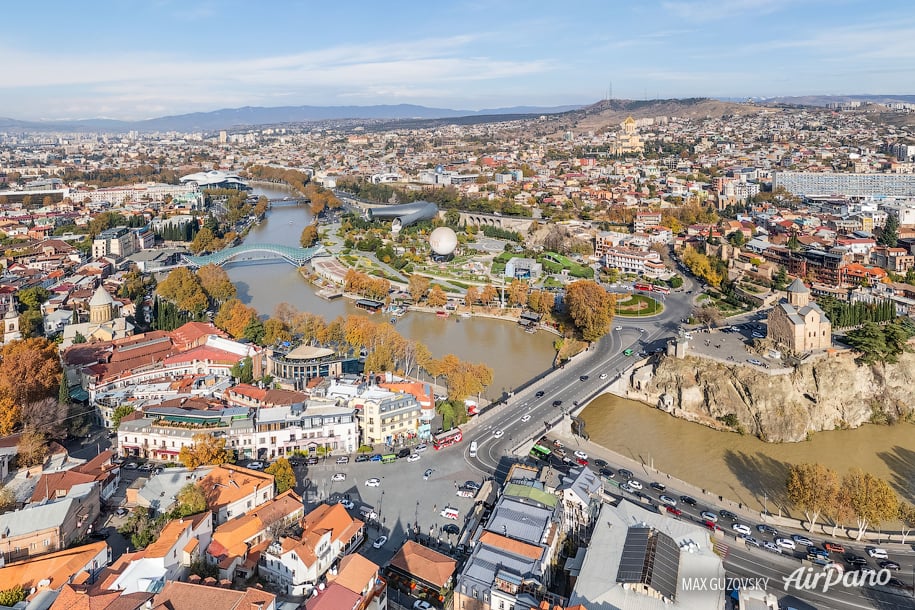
x=798, y=325
x=105, y=321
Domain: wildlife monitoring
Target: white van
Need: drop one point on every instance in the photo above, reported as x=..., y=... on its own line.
x=450, y=513
x=687, y=335
x=473, y=449
x=368, y=512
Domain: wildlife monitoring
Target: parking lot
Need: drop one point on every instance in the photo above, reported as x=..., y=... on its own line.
x=734, y=344
x=404, y=501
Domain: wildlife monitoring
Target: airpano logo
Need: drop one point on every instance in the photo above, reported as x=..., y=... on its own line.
x=808, y=579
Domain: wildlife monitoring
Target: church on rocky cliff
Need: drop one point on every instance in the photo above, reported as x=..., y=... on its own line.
x=798, y=325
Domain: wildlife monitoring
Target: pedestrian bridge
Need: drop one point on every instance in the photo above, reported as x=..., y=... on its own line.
x=291, y=254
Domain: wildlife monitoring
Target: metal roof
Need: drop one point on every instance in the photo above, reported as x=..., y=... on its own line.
x=650, y=558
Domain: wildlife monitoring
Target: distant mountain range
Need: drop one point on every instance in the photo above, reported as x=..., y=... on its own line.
x=253, y=116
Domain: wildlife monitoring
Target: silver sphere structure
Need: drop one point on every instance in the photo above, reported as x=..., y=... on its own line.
x=443, y=241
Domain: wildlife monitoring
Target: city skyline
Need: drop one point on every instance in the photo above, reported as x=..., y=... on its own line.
x=166, y=57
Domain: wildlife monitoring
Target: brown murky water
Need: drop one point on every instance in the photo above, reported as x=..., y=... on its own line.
x=513, y=355
x=743, y=468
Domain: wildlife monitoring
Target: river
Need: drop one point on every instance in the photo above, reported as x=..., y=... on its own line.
x=744, y=468
x=264, y=284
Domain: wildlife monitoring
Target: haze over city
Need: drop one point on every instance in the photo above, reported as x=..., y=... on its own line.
x=141, y=60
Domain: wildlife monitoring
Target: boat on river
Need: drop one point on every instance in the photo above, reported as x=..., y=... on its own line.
x=441, y=314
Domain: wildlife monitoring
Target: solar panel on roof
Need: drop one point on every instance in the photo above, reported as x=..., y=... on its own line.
x=650, y=558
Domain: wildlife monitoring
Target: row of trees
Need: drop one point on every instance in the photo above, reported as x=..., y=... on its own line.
x=193, y=292
x=366, y=285
x=844, y=315
x=702, y=266
x=869, y=500
x=174, y=231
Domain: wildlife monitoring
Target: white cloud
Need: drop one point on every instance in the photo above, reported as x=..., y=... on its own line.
x=714, y=10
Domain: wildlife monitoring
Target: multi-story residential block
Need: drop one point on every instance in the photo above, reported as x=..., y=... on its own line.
x=640, y=262
x=118, y=242
x=296, y=565
x=180, y=543
x=812, y=184
x=50, y=526
x=645, y=220
x=386, y=417
x=305, y=427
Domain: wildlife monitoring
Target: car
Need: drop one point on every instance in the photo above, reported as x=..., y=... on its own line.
x=786, y=543
x=376, y=458
x=338, y=476
x=889, y=565
x=877, y=553
x=740, y=528
x=583, y=378
x=581, y=461
x=814, y=552
x=422, y=604
x=581, y=455
x=754, y=361
x=146, y=467
x=898, y=584
x=427, y=474
x=600, y=463
x=833, y=547
x=343, y=459
x=557, y=403
x=602, y=376
x=726, y=514
x=627, y=487
x=607, y=472
x=750, y=541
x=764, y=528
x=618, y=328
x=498, y=433
x=312, y=460
x=526, y=417
x=855, y=560
x=451, y=528
x=688, y=500
x=413, y=457
x=362, y=458
x=463, y=492
x=635, y=484
x=420, y=448
x=712, y=525
x=667, y=500
x=769, y=546
x=625, y=474
x=380, y=542
x=709, y=516
x=347, y=504
x=403, y=452
x=673, y=510
x=373, y=482
x=121, y=512
x=99, y=535
x=558, y=444
x=801, y=540
x=130, y=466
x=539, y=394
x=472, y=485
x=657, y=486
x=450, y=513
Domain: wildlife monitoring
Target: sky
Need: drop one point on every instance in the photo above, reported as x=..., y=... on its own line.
x=129, y=59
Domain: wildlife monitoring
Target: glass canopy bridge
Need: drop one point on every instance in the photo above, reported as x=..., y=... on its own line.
x=291, y=254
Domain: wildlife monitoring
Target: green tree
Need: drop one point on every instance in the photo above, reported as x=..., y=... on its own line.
x=737, y=239
x=63, y=392
x=889, y=236
x=119, y=413
x=675, y=282
x=11, y=597
x=813, y=488
x=30, y=299
x=254, y=331
x=780, y=281
x=283, y=475
x=31, y=323
x=191, y=500
x=793, y=243
x=243, y=371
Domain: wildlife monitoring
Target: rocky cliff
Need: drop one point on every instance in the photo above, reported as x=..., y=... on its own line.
x=830, y=393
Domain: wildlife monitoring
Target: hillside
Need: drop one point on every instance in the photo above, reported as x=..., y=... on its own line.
x=610, y=113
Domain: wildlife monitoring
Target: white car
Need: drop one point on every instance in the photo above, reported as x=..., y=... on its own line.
x=877, y=553
x=380, y=542
x=709, y=516
x=754, y=361
x=618, y=328
x=786, y=543
x=413, y=457
x=667, y=500
x=338, y=476
x=498, y=433
x=740, y=528
x=773, y=548
x=603, y=376
x=373, y=482
x=420, y=448
x=347, y=504
x=343, y=459
x=422, y=604
x=635, y=484
x=526, y=417
x=256, y=465
x=581, y=455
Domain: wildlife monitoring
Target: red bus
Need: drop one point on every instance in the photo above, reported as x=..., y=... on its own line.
x=661, y=289
x=446, y=439
x=645, y=287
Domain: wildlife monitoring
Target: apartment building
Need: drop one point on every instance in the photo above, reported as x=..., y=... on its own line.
x=386, y=417
x=639, y=262
x=118, y=242
x=305, y=427
x=296, y=564
x=811, y=184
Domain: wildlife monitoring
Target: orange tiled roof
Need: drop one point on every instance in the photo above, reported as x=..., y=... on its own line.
x=424, y=563
x=356, y=572
x=227, y=483
x=57, y=568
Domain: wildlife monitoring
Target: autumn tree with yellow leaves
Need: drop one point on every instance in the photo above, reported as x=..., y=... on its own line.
x=207, y=450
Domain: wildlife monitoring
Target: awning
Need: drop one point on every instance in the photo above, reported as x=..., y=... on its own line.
x=79, y=394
